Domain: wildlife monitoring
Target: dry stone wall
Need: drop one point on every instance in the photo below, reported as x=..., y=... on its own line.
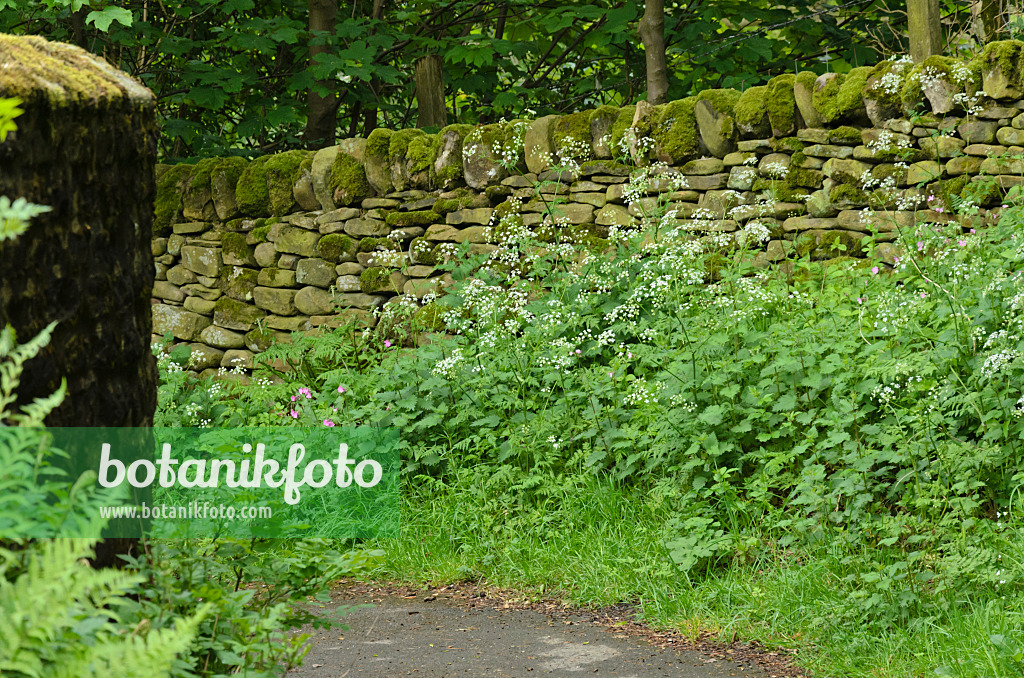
x=247, y=252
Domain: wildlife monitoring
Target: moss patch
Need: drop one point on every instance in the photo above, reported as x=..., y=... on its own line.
x=234, y=244
x=378, y=244
x=675, y=130
x=845, y=135
x=750, y=110
x=842, y=97
x=1008, y=56
x=403, y=219
x=422, y=152
x=847, y=192
x=378, y=144
x=348, y=182
x=573, y=132
x=398, y=143
x=259, y=234
x=168, y=197
x=265, y=187
x=781, y=104
x=335, y=246
x=423, y=251
x=376, y=279
x=430, y=317
x=623, y=122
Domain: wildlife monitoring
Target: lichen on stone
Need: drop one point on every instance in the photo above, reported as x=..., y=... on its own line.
x=234, y=244
x=335, y=246
x=623, y=122
x=348, y=184
x=573, y=131
x=415, y=218
x=842, y=96
x=421, y=153
x=845, y=134
x=1008, y=56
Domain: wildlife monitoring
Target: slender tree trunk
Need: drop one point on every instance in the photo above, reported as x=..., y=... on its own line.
x=925, y=29
x=430, y=92
x=652, y=34
x=323, y=108
x=988, y=20
x=370, y=111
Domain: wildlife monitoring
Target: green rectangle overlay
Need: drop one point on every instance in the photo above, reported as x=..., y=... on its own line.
x=204, y=482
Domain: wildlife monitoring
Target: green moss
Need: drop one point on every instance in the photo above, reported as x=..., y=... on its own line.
x=348, y=182
x=623, y=122
x=496, y=194
x=236, y=310
x=334, y=247
x=168, y=197
x=30, y=60
x=791, y=144
x=842, y=97
x=573, y=131
x=398, y=144
x=459, y=130
x=675, y=130
x=586, y=235
x=265, y=186
x=259, y=234
x=912, y=92
x=885, y=171
x=724, y=100
x=781, y=104
x=804, y=178
x=234, y=244
x=379, y=244
x=875, y=90
x=952, y=188
x=422, y=152
x=845, y=135
x=1008, y=56
x=423, y=251
x=443, y=206
x=849, y=193
x=806, y=79
x=783, y=190
x=430, y=317
x=448, y=175
x=798, y=159
x=751, y=109
x=378, y=144
x=403, y=219
x=376, y=279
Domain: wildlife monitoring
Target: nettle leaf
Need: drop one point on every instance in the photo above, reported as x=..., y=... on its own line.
x=102, y=18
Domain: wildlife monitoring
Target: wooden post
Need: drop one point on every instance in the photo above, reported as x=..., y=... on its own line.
x=988, y=20
x=925, y=29
x=430, y=92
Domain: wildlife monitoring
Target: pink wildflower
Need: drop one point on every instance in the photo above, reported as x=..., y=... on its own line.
x=341, y=389
x=294, y=413
x=874, y=270
x=328, y=422
x=387, y=343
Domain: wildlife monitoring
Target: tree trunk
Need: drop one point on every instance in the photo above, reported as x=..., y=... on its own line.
x=925, y=29
x=370, y=111
x=652, y=34
x=988, y=20
x=323, y=108
x=430, y=92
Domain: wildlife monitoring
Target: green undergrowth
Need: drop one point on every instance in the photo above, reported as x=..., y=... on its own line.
x=824, y=456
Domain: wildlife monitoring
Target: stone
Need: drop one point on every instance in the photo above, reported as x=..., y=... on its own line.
x=741, y=178
x=819, y=205
x=348, y=282
x=182, y=324
x=179, y=275
x=158, y=246
x=165, y=290
x=204, y=357
x=828, y=151
x=303, y=193
x=613, y=215
x=737, y=158
x=340, y=214
x=313, y=301
x=316, y=272
x=479, y=215
x=208, y=281
x=1002, y=166
x=238, y=358
x=238, y=283
x=219, y=337
x=752, y=145
x=924, y=171
x=260, y=340
x=939, y=92
x=813, y=135
x=593, y=199
x=964, y=164
x=475, y=234
x=448, y=164
x=362, y=228
x=276, y=277
x=190, y=228
x=348, y=268
x=704, y=166
x=160, y=270
x=360, y=300
x=845, y=171
x=299, y=241
x=1018, y=121
x=200, y=306
x=288, y=261
x=266, y=254
x=717, y=128
x=202, y=291
x=941, y=147
x=575, y=213
x=174, y=243
x=975, y=131
x=990, y=150
x=235, y=315
x=710, y=182
x=997, y=112
x=868, y=221
x=808, y=223
x=1010, y=136
x=320, y=176
x=277, y=301
x=773, y=162
x=422, y=287
x=295, y=323
x=481, y=166
x=441, y=232
x=202, y=260
x=827, y=244
x=538, y=143
x=804, y=97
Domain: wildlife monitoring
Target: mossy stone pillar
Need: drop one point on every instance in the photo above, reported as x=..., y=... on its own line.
x=86, y=147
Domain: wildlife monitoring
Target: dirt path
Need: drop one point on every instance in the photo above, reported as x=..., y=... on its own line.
x=463, y=631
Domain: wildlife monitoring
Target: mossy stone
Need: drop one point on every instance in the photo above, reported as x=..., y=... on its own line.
x=236, y=315
x=336, y=247
x=846, y=135
x=1002, y=68
x=751, y=113
x=781, y=105
x=841, y=99
x=418, y=218
x=348, y=184
x=430, y=317
x=377, y=280
x=623, y=122
x=376, y=160
x=423, y=251
x=571, y=134
x=675, y=130
x=265, y=186
x=168, y=203
x=235, y=250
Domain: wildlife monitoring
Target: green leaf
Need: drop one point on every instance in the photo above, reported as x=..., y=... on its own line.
x=102, y=18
